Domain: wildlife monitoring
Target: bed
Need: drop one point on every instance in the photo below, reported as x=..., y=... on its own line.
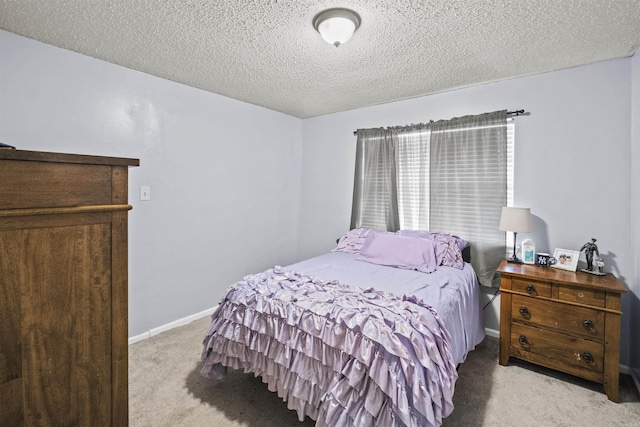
x=370, y=333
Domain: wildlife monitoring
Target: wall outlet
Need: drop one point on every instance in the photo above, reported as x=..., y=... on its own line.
x=145, y=193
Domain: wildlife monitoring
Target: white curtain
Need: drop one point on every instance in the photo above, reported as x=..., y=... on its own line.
x=449, y=175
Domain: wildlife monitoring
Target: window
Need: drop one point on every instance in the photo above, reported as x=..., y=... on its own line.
x=451, y=176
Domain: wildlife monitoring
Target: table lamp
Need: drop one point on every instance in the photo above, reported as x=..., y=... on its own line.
x=515, y=220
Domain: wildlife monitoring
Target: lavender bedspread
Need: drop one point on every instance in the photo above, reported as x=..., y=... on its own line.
x=340, y=354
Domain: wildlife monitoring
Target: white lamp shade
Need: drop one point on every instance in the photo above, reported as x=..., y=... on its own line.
x=336, y=26
x=515, y=219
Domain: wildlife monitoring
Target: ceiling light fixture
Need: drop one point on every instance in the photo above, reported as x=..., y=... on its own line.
x=336, y=26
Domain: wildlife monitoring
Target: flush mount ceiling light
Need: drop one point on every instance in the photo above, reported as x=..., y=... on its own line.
x=336, y=26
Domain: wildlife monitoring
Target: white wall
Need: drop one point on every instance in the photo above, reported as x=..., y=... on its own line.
x=634, y=285
x=234, y=192
x=571, y=168
x=224, y=175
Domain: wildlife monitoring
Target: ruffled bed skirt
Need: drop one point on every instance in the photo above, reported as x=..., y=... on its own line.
x=342, y=355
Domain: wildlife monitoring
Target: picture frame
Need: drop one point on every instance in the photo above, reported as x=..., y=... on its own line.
x=566, y=259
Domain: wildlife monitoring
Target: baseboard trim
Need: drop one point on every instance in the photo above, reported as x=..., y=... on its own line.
x=134, y=339
x=176, y=323
x=492, y=332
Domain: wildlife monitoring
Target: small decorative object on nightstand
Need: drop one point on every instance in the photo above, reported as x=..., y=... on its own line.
x=563, y=320
x=589, y=249
x=566, y=259
x=528, y=252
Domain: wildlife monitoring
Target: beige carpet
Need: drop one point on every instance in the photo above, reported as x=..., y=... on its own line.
x=166, y=389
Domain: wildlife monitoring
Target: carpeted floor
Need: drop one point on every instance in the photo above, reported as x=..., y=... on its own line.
x=166, y=389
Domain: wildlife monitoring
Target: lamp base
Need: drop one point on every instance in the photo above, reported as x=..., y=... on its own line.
x=514, y=259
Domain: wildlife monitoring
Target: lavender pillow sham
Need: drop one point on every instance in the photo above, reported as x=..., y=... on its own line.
x=395, y=250
x=448, y=247
x=352, y=242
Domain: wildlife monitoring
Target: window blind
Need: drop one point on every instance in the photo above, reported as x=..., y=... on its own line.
x=453, y=176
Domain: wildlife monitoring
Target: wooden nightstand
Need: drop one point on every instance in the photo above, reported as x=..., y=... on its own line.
x=562, y=320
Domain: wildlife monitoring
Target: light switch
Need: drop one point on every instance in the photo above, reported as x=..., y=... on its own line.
x=145, y=193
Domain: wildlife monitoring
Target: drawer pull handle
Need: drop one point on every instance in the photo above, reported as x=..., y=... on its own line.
x=588, y=325
x=588, y=358
x=524, y=312
x=531, y=290
x=524, y=342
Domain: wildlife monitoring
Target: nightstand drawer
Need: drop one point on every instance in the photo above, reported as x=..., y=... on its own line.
x=574, y=351
x=581, y=295
x=581, y=321
x=532, y=287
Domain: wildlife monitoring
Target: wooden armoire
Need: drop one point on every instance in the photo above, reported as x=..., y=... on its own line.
x=63, y=289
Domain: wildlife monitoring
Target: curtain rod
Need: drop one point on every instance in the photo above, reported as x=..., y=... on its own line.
x=514, y=113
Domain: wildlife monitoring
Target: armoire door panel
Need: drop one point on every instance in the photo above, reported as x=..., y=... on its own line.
x=10, y=337
x=11, y=413
x=66, y=323
x=10, y=357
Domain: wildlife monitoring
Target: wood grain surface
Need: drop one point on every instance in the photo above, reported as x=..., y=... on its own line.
x=564, y=320
x=63, y=289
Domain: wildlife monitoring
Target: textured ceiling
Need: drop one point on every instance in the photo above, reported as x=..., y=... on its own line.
x=268, y=53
